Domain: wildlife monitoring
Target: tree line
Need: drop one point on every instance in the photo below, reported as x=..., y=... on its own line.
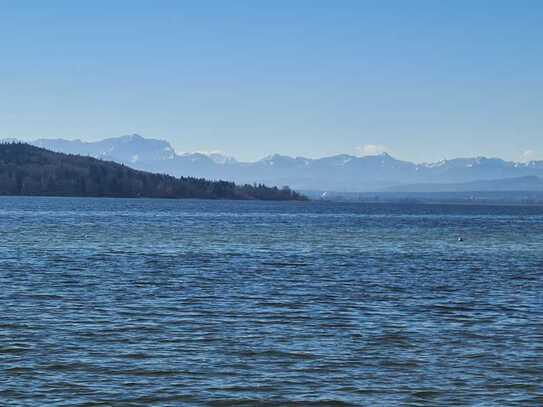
x=30, y=170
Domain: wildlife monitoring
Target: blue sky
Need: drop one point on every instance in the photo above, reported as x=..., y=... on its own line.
x=424, y=80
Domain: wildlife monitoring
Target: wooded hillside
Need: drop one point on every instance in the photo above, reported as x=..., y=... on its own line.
x=29, y=170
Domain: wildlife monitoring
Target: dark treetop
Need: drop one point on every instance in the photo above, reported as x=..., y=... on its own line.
x=29, y=170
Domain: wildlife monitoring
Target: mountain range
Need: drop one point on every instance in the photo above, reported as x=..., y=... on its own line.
x=335, y=173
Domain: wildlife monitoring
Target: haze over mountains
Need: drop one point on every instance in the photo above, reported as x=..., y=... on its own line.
x=336, y=173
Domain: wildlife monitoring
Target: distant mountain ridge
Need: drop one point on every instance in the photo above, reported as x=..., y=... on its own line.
x=126, y=149
x=336, y=173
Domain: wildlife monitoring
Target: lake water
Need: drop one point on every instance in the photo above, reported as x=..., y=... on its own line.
x=112, y=302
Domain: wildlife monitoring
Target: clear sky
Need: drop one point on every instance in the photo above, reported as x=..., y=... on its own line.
x=424, y=80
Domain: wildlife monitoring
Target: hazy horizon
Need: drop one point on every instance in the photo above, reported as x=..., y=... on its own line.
x=371, y=150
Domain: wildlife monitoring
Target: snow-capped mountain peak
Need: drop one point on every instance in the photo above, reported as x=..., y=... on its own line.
x=341, y=172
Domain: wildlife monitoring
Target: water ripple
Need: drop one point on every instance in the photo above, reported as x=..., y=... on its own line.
x=159, y=303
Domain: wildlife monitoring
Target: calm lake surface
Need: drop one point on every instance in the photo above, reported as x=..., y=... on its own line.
x=112, y=302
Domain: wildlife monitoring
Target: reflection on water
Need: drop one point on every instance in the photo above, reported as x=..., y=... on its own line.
x=150, y=302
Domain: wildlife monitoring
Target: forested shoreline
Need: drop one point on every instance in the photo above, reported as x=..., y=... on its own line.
x=30, y=170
